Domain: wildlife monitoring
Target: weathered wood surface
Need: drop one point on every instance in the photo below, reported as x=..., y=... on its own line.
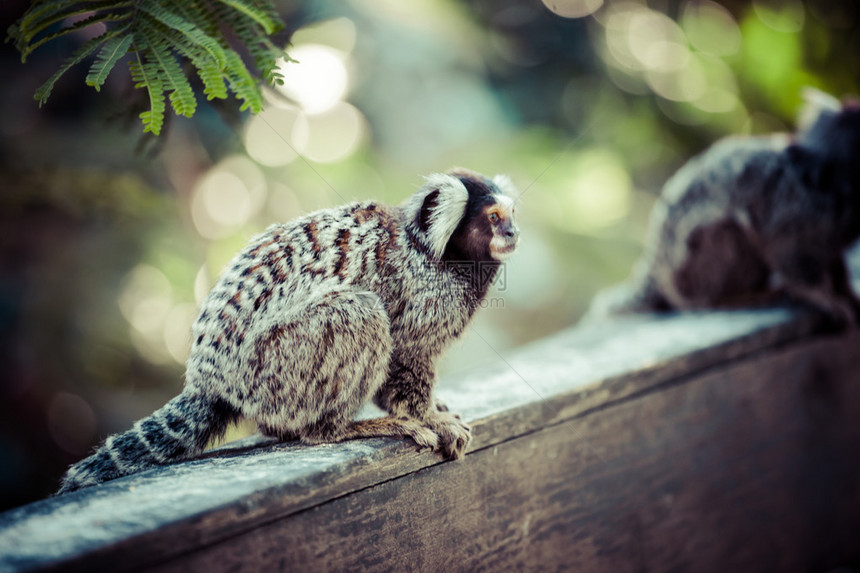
x=558, y=388
x=750, y=467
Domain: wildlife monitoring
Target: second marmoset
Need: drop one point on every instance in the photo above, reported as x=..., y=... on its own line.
x=319, y=315
x=754, y=218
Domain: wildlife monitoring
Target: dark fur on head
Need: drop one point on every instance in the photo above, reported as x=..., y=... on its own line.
x=835, y=133
x=826, y=153
x=474, y=236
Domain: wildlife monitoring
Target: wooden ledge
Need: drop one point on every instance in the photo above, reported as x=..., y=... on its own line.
x=153, y=517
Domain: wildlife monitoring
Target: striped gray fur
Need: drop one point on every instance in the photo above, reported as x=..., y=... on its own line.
x=316, y=316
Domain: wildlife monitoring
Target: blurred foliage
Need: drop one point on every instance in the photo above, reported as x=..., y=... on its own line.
x=104, y=253
x=156, y=32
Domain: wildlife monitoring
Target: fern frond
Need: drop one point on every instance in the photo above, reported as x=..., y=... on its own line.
x=30, y=23
x=170, y=73
x=198, y=13
x=266, y=58
x=192, y=32
x=213, y=81
x=162, y=35
x=210, y=73
x=30, y=27
x=262, y=17
x=110, y=54
x=145, y=76
x=44, y=91
x=243, y=84
x=41, y=8
x=79, y=25
x=265, y=54
x=207, y=68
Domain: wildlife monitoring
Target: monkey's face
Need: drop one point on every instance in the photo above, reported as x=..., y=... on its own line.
x=503, y=231
x=488, y=230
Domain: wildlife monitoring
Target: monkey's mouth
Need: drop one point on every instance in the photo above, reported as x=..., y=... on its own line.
x=502, y=251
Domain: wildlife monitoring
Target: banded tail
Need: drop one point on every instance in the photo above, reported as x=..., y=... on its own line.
x=178, y=430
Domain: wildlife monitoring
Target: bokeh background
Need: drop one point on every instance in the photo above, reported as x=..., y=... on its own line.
x=108, y=240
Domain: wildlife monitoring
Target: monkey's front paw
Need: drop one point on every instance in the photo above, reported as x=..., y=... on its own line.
x=454, y=434
x=422, y=435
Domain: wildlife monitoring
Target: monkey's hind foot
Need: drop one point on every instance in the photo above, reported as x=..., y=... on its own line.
x=454, y=434
x=391, y=427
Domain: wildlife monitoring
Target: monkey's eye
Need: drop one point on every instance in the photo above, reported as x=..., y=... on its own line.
x=494, y=218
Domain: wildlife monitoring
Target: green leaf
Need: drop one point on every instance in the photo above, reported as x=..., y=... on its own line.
x=172, y=77
x=110, y=54
x=199, y=14
x=212, y=78
x=264, y=52
x=243, y=84
x=39, y=10
x=164, y=34
x=260, y=16
x=145, y=76
x=192, y=32
x=84, y=51
x=34, y=25
x=86, y=22
x=210, y=73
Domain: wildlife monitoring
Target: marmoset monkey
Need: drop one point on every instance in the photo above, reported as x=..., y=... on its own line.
x=318, y=315
x=755, y=218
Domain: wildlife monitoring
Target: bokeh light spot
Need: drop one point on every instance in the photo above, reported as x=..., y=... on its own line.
x=598, y=193
x=177, y=330
x=617, y=35
x=573, y=8
x=331, y=136
x=283, y=204
x=145, y=298
x=721, y=93
x=267, y=135
x=710, y=28
x=786, y=16
x=656, y=41
x=203, y=283
x=688, y=85
x=338, y=33
x=716, y=100
x=317, y=80
x=226, y=197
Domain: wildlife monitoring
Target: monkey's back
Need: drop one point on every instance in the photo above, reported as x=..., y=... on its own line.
x=705, y=227
x=359, y=249
x=280, y=269
x=736, y=177
x=727, y=215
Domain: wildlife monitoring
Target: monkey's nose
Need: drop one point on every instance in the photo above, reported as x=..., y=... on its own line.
x=512, y=233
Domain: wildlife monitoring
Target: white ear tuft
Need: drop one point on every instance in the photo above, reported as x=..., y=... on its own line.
x=506, y=186
x=816, y=103
x=444, y=213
